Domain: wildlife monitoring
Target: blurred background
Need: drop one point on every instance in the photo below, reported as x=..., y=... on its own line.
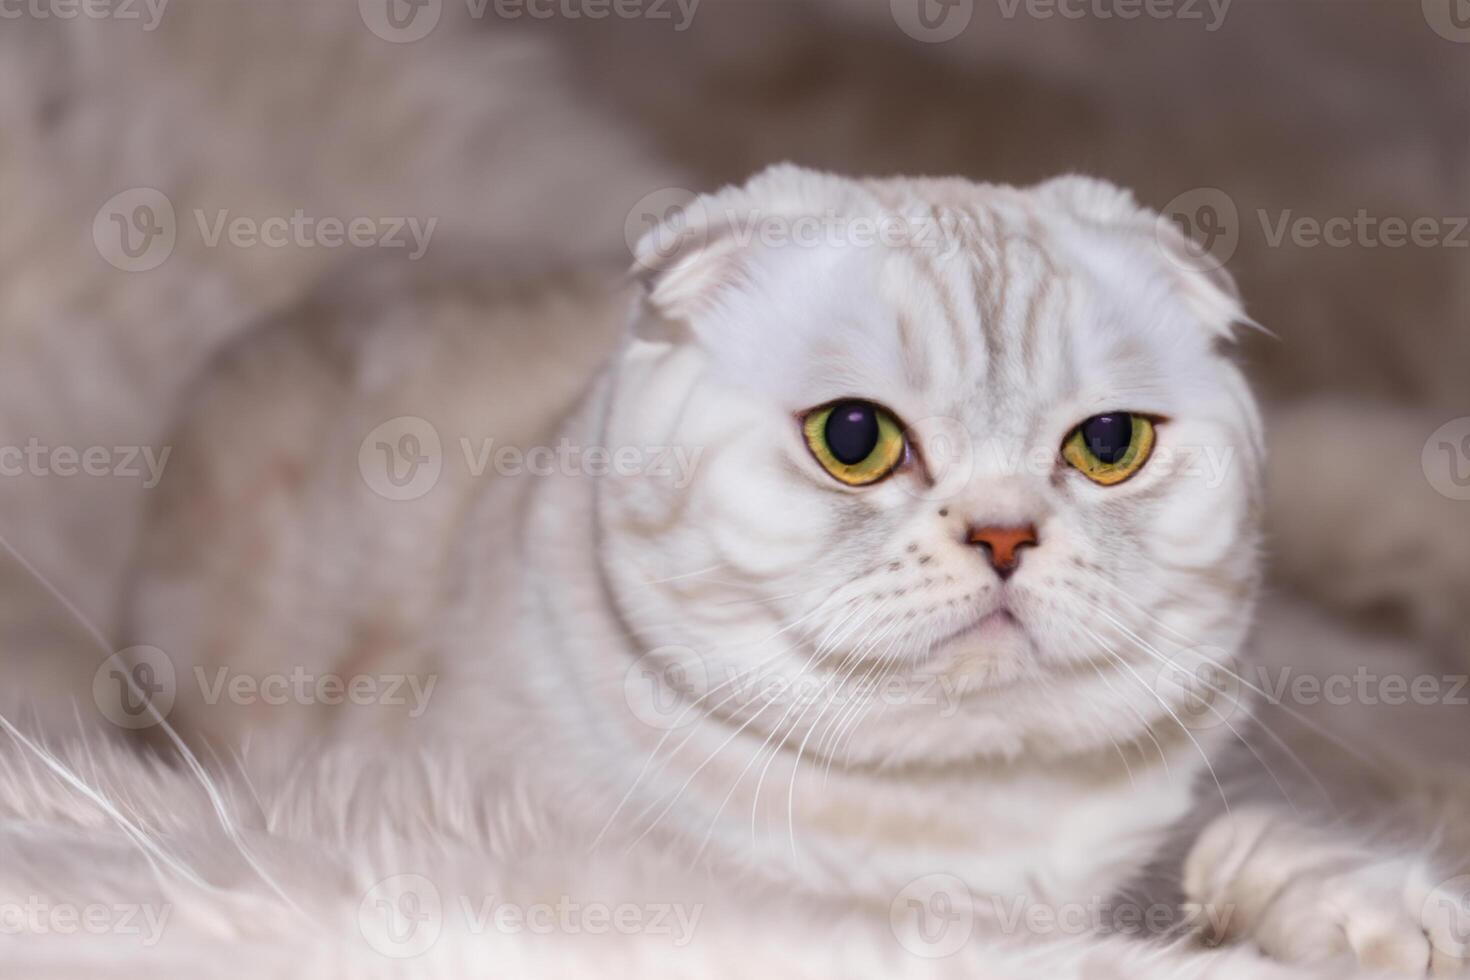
x=173, y=172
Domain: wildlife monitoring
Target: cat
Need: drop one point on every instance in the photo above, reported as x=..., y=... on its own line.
x=880, y=550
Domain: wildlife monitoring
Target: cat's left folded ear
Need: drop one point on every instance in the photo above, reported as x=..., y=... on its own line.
x=1199, y=278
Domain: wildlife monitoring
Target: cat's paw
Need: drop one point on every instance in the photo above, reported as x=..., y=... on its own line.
x=1309, y=895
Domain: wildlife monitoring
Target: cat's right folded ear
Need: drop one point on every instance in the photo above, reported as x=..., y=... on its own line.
x=683, y=263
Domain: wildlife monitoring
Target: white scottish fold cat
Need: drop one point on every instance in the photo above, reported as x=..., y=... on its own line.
x=885, y=555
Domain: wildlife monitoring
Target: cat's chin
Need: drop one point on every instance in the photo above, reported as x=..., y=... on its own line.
x=989, y=652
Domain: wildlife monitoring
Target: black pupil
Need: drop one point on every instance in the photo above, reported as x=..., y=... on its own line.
x=1108, y=436
x=852, y=432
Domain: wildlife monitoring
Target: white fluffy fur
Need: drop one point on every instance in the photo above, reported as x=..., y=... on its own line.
x=1063, y=769
x=96, y=356
x=305, y=847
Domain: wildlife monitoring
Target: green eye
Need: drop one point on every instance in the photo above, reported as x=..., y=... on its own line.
x=1108, y=449
x=855, y=441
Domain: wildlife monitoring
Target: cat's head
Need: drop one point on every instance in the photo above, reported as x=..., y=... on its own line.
x=979, y=448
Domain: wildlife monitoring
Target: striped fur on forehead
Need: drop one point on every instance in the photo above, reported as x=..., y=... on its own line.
x=979, y=296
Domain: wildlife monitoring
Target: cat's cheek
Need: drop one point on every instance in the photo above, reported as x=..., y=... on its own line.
x=1198, y=527
x=760, y=516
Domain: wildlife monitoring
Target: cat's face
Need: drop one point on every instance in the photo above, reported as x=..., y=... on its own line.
x=997, y=476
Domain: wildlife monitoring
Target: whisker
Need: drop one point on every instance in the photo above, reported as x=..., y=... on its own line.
x=755, y=800
x=678, y=722
x=1167, y=661
x=869, y=644
x=700, y=768
x=1204, y=756
x=838, y=723
x=1264, y=726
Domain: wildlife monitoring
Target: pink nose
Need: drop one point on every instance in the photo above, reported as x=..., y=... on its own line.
x=1004, y=544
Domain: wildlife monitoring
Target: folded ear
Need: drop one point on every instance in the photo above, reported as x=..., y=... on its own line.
x=702, y=249
x=1199, y=278
x=1206, y=287
x=683, y=264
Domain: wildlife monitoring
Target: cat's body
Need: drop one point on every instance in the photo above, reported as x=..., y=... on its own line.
x=678, y=645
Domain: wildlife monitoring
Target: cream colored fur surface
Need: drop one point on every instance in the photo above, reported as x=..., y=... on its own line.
x=292, y=887
x=526, y=784
x=589, y=640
